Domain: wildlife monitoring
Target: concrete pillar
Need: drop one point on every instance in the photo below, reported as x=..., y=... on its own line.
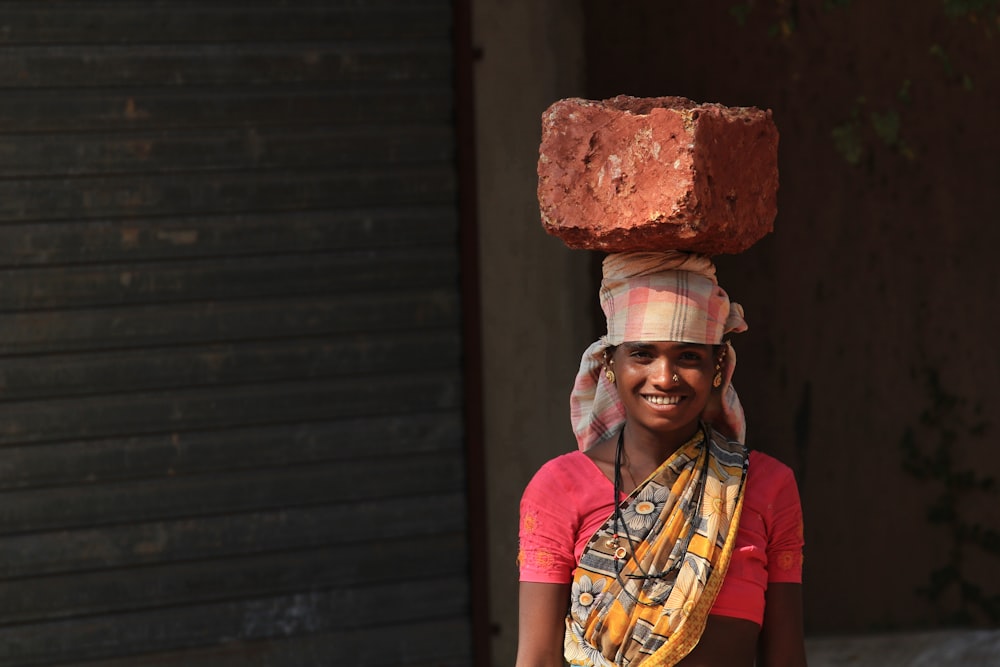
x=537, y=295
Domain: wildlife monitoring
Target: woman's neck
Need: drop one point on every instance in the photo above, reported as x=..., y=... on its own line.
x=648, y=449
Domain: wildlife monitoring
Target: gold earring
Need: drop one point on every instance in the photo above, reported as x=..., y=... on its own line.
x=610, y=374
x=717, y=380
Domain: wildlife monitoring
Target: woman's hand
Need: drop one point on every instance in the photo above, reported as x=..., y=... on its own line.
x=726, y=642
x=541, y=624
x=781, y=637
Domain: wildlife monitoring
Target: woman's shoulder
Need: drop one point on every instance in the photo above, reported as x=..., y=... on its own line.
x=766, y=465
x=568, y=476
x=566, y=467
x=770, y=480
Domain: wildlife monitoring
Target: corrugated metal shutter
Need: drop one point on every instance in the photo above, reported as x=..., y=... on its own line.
x=230, y=390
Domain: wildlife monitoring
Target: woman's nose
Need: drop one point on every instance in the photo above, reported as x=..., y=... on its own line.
x=662, y=372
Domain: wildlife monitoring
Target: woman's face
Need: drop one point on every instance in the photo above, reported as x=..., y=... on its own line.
x=653, y=399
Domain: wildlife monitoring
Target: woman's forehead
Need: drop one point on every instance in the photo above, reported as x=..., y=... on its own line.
x=662, y=344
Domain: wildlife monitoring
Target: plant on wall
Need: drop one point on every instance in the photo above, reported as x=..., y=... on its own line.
x=865, y=125
x=931, y=455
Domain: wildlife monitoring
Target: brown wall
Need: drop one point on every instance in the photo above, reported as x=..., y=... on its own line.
x=873, y=306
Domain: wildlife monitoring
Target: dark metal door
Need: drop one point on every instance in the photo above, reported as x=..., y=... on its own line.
x=230, y=388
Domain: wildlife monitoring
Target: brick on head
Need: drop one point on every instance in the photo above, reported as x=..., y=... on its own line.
x=663, y=173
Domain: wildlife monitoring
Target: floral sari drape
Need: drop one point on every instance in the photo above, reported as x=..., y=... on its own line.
x=648, y=577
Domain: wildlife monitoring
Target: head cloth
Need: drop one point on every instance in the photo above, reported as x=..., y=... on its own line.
x=656, y=296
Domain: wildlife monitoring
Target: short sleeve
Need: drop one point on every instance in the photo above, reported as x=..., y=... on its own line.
x=547, y=529
x=786, y=532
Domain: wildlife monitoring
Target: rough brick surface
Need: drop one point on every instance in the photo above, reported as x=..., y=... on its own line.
x=660, y=173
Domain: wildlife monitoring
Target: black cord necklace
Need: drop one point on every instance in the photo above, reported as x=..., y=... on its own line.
x=620, y=552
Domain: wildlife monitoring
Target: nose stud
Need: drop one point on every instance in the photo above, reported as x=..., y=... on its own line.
x=675, y=378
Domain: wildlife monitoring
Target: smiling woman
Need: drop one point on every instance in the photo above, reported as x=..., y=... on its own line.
x=663, y=386
x=663, y=541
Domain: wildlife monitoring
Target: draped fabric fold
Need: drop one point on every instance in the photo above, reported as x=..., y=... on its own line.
x=648, y=577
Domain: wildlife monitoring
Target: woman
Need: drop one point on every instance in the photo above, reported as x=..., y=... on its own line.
x=662, y=541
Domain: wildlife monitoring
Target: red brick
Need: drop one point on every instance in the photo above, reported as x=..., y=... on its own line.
x=661, y=173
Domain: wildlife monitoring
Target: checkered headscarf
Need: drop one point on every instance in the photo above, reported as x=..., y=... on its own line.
x=656, y=296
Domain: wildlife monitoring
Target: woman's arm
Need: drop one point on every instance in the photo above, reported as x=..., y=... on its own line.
x=541, y=624
x=781, y=637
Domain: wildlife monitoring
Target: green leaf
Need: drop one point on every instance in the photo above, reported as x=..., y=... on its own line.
x=943, y=58
x=942, y=511
x=741, y=12
x=847, y=141
x=886, y=126
x=958, y=8
x=903, y=95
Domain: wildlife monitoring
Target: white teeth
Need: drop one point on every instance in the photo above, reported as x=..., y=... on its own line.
x=663, y=400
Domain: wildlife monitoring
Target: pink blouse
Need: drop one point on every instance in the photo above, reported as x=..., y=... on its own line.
x=569, y=498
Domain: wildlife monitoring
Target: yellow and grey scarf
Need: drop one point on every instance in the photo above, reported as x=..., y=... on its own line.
x=648, y=577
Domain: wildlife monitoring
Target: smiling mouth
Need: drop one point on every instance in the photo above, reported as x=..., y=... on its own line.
x=664, y=400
